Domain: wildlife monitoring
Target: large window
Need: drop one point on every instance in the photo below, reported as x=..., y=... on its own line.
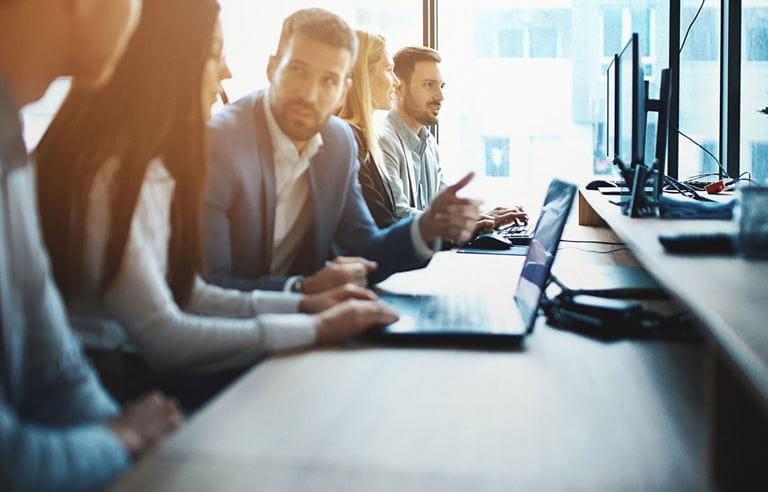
x=754, y=89
x=699, y=87
x=525, y=96
x=252, y=29
x=525, y=84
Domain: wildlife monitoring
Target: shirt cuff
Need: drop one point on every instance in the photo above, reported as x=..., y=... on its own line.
x=275, y=302
x=423, y=250
x=287, y=331
x=290, y=282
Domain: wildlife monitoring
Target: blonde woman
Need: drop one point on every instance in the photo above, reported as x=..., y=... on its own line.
x=373, y=88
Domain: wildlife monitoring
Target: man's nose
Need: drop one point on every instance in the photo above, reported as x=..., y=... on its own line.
x=310, y=91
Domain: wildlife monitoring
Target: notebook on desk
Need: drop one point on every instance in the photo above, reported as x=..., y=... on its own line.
x=474, y=318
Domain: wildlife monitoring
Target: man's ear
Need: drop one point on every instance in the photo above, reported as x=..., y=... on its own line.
x=400, y=88
x=271, y=67
x=399, y=91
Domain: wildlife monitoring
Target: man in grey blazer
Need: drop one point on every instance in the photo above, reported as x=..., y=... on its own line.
x=59, y=429
x=284, y=196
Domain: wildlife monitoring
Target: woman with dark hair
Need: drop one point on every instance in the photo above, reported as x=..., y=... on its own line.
x=123, y=170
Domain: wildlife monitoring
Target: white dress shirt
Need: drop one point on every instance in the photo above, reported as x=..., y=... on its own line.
x=292, y=217
x=292, y=211
x=220, y=328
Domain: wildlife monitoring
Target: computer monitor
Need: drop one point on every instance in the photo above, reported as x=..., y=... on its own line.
x=630, y=148
x=612, y=122
x=661, y=106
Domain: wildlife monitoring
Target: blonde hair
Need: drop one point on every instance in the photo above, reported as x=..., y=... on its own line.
x=358, y=106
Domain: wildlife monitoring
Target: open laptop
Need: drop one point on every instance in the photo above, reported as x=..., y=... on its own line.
x=475, y=318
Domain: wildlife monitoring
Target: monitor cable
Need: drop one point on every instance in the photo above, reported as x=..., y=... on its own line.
x=688, y=31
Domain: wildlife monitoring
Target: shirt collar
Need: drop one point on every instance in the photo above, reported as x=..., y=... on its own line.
x=157, y=170
x=282, y=145
x=413, y=140
x=13, y=152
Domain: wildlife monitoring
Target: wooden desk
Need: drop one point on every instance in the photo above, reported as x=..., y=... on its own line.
x=729, y=295
x=563, y=413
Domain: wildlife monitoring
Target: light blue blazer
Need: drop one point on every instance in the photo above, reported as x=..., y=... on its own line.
x=239, y=210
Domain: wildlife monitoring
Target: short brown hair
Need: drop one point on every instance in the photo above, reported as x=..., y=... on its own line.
x=320, y=25
x=406, y=58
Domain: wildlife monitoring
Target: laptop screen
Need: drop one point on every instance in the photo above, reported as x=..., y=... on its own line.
x=543, y=247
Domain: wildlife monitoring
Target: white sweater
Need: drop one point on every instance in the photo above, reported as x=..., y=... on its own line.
x=220, y=328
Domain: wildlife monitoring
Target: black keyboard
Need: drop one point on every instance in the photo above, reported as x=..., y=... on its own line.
x=517, y=231
x=698, y=185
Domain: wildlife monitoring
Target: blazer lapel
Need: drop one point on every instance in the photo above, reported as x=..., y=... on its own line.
x=324, y=201
x=266, y=165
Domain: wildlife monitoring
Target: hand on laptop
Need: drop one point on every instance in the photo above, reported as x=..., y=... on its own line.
x=503, y=216
x=343, y=270
x=449, y=216
x=350, y=318
x=315, y=303
x=145, y=422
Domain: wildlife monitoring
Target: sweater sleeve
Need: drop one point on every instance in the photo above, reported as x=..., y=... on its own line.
x=212, y=300
x=34, y=457
x=170, y=338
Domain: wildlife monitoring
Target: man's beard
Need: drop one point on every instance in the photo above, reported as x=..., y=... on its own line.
x=423, y=116
x=295, y=128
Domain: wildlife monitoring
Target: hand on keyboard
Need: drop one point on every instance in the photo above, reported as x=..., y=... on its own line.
x=504, y=216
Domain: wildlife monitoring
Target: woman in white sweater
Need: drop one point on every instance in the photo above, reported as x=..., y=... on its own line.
x=124, y=169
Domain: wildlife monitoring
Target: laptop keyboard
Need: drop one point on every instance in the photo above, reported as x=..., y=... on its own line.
x=455, y=312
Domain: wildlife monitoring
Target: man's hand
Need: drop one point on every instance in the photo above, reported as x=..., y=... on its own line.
x=449, y=216
x=343, y=270
x=315, y=303
x=143, y=423
x=503, y=216
x=485, y=223
x=351, y=318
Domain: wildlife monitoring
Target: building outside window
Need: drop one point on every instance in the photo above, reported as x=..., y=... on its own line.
x=754, y=89
x=699, y=87
x=496, y=156
x=546, y=95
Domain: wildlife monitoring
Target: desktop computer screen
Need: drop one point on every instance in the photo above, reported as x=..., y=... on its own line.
x=631, y=106
x=611, y=122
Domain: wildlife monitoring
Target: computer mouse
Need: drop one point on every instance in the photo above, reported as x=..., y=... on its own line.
x=489, y=240
x=599, y=183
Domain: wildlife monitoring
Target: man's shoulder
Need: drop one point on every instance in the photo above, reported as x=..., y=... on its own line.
x=235, y=116
x=338, y=136
x=388, y=133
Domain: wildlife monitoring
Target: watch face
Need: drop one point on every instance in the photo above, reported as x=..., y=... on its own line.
x=298, y=284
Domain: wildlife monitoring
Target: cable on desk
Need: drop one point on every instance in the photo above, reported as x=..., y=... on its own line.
x=594, y=250
x=609, y=243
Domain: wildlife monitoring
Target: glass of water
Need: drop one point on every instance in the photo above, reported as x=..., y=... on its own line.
x=752, y=217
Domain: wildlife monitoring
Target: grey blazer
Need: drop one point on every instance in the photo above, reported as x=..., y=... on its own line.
x=239, y=210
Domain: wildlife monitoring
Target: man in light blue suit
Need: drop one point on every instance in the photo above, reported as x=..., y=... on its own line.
x=284, y=196
x=59, y=429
